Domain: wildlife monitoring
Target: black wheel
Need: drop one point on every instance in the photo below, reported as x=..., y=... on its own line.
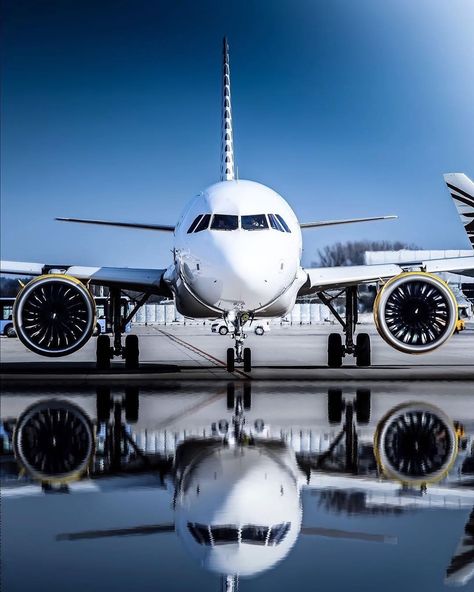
x=223, y=330
x=9, y=331
x=103, y=404
x=259, y=331
x=363, y=350
x=247, y=359
x=247, y=396
x=230, y=359
x=335, y=350
x=131, y=404
x=103, y=353
x=362, y=406
x=230, y=396
x=132, y=352
x=335, y=406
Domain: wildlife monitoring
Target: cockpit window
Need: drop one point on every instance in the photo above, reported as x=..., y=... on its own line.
x=278, y=533
x=200, y=533
x=283, y=223
x=255, y=535
x=224, y=535
x=204, y=223
x=228, y=534
x=224, y=222
x=255, y=222
x=274, y=223
x=194, y=224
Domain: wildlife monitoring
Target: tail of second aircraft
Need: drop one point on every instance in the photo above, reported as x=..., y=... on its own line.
x=462, y=192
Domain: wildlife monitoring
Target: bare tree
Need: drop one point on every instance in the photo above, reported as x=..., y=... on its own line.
x=352, y=253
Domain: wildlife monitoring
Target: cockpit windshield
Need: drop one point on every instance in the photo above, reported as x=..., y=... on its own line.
x=229, y=534
x=224, y=222
x=231, y=222
x=255, y=222
x=223, y=535
x=204, y=223
x=255, y=535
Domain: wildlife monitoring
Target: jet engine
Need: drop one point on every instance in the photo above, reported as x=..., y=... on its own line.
x=415, y=312
x=54, y=315
x=415, y=443
x=53, y=441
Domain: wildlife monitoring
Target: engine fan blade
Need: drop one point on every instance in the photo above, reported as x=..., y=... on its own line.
x=116, y=532
x=334, y=533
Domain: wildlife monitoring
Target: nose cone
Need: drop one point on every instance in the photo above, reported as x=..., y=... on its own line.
x=246, y=272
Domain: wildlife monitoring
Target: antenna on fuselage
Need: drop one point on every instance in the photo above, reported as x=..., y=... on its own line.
x=227, y=140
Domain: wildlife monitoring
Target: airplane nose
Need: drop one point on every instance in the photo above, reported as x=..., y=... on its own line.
x=241, y=277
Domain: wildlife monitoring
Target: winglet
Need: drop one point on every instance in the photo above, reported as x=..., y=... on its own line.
x=227, y=139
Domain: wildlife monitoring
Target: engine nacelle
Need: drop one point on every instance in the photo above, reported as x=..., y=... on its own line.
x=53, y=441
x=415, y=443
x=415, y=312
x=54, y=315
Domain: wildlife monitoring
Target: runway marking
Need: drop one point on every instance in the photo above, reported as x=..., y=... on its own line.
x=202, y=353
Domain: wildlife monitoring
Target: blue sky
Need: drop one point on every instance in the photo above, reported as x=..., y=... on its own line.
x=111, y=110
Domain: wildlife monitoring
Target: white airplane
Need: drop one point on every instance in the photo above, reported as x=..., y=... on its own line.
x=236, y=254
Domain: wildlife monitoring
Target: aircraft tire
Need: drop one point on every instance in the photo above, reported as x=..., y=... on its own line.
x=362, y=406
x=335, y=406
x=247, y=359
x=131, y=404
x=335, y=350
x=247, y=397
x=132, y=352
x=103, y=404
x=230, y=396
x=363, y=357
x=230, y=359
x=103, y=352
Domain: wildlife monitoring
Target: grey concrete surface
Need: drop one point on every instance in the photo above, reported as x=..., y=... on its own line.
x=293, y=352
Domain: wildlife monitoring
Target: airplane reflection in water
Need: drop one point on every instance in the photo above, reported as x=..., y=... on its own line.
x=236, y=488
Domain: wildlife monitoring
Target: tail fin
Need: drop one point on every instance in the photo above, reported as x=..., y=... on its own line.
x=227, y=141
x=461, y=568
x=462, y=192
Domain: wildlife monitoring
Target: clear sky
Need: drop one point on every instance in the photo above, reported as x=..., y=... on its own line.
x=111, y=110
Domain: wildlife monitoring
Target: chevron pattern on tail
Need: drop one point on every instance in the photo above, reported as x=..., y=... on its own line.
x=462, y=192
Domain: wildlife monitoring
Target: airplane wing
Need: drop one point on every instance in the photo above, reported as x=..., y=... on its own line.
x=347, y=221
x=326, y=278
x=128, y=278
x=139, y=225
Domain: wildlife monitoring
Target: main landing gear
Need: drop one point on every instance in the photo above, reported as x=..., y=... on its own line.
x=239, y=353
x=337, y=350
x=130, y=351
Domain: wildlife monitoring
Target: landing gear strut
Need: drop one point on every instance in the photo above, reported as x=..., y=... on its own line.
x=130, y=351
x=337, y=350
x=239, y=353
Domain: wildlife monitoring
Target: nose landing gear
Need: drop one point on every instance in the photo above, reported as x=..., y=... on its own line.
x=239, y=353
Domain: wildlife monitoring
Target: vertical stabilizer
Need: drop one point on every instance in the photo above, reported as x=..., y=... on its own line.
x=462, y=192
x=461, y=568
x=227, y=140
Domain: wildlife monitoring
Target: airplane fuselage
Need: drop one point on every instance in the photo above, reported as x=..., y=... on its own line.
x=237, y=247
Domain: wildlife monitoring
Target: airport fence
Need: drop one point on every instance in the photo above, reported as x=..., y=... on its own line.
x=166, y=314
